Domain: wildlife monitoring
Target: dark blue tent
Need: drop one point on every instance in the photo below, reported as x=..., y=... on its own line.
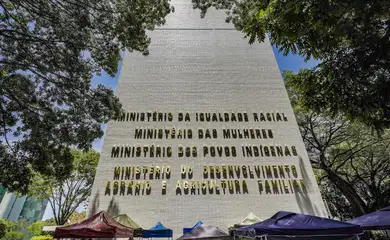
x=158, y=231
x=186, y=230
x=379, y=220
x=287, y=224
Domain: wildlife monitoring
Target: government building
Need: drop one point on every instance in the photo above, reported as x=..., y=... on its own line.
x=207, y=134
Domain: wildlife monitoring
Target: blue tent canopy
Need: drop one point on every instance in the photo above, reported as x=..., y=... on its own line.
x=294, y=224
x=379, y=220
x=205, y=232
x=186, y=230
x=158, y=231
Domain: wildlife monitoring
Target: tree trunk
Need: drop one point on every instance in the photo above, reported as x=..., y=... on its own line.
x=358, y=206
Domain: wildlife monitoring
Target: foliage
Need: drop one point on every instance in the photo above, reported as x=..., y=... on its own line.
x=18, y=225
x=49, y=51
x=338, y=205
x=350, y=38
x=76, y=217
x=12, y=230
x=3, y=227
x=353, y=163
x=35, y=229
x=49, y=222
x=66, y=195
x=15, y=230
x=42, y=237
x=13, y=235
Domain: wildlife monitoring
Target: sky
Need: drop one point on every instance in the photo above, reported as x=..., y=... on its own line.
x=289, y=62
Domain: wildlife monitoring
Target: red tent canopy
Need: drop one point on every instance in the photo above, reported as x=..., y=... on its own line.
x=99, y=225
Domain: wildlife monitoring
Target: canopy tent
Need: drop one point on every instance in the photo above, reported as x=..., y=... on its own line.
x=158, y=231
x=186, y=230
x=100, y=225
x=128, y=222
x=205, y=232
x=285, y=225
x=49, y=229
x=379, y=220
x=249, y=220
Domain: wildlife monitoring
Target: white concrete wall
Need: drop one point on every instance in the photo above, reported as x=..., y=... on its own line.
x=204, y=70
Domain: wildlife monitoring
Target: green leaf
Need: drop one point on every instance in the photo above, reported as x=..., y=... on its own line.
x=349, y=38
x=49, y=52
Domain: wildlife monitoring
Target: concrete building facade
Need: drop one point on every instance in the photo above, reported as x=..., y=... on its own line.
x=208, y=132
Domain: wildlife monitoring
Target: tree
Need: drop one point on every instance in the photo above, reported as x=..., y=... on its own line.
x=77, y=217
x=352, y=160
x=13, y=235
x=338, y=205
x=49, y=222
x=49, y=51
x=66, y=195
x=35, y=229
x=4, y=225
x=12, y=230
x=2, y=229
x=350, y=38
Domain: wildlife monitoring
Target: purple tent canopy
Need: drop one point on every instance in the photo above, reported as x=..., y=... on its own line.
x=100, y=225
x=284, y=224
x=379, y=220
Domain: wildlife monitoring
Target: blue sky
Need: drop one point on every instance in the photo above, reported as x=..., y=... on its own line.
x=289, y=62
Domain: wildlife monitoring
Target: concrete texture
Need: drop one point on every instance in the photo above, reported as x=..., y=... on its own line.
x=202, y=65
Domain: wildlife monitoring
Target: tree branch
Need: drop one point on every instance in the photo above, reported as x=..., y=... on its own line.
x=5, y=129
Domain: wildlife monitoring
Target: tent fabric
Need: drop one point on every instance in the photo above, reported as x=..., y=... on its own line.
x=294, y=224
x=311, y=237
x=186, y=230
x=379, y=220
x=100, y=225
x=157, y=231
x=249, y=220
x=205, y=232
x=128, y=222
x=49, y=228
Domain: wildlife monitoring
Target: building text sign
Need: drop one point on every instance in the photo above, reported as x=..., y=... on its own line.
x=215, y=179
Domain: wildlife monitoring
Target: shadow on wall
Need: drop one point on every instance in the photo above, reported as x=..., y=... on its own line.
x=95, y=205
x=113, y=208
x=304, y=202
